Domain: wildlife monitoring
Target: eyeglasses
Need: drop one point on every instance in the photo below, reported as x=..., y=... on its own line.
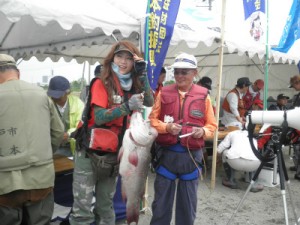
x=182, y=72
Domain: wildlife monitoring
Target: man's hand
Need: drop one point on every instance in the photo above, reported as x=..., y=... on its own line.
x=198, y=132
x=66, y=137
x=173, y=128
x=241, y=120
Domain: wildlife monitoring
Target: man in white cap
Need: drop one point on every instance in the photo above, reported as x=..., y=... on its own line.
x=182, y=115
x=30, y=131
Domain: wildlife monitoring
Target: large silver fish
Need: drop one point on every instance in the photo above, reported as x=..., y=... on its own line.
x=134, y=159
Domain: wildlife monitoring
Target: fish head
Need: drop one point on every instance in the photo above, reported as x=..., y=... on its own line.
x=136, y=118
x=141, y=130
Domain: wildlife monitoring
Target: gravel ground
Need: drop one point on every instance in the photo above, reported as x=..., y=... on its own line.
x=216, y=206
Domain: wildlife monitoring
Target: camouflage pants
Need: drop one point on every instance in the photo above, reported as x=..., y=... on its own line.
x=84, y=185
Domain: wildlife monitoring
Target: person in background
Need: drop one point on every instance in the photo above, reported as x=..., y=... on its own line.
x=30, y=130
x=69, y=108
x=253, y=93
x=122, y=89
x=236, y=153
x=84, y=91
x=282, y=101
x=233, y=105
x=207, y=151
x=257, y=105
x=180, y=157
x=295, y=83
x=162, y=77
x=207, y=82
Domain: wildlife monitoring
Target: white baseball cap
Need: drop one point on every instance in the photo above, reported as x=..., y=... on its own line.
x=185, y=61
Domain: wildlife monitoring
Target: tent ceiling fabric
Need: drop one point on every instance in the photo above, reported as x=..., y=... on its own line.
x=27, y=29
x=85, y=30
x=60, y=30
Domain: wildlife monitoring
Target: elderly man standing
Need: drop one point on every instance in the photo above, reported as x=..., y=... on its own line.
x=182, y=115
x=233, y=104
x=30, y=131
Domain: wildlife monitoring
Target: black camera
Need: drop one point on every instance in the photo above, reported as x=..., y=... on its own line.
x=139, y=66
x=276, y=134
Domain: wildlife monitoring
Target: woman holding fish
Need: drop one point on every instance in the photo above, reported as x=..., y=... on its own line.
x=122, y=88
x=182, y=115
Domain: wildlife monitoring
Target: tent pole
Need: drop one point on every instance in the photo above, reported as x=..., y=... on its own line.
x=89, y=73
x=144, y=32
x=267, y=59
x=221, y=51
x=82, y=77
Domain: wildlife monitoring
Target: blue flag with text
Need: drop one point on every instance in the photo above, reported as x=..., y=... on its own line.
x=251, y=6
x=158, y=31
x=291, y=30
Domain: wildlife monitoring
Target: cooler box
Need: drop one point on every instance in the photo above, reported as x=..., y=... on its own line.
x=265, y=177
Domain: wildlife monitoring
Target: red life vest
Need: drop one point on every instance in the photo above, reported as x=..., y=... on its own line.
x=114, y=125
x=103, y=138
x=241, y=107
x=249, y=99
x=191, y=114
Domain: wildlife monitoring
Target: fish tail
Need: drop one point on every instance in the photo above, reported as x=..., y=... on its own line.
x=132, y=214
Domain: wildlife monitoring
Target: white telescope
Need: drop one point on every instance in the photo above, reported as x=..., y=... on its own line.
x=276, y=118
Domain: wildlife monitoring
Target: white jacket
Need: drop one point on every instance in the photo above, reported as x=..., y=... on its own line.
x=238, y=145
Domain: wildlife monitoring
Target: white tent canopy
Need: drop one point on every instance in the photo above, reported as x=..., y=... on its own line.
x=46, y=29
x=85, y=30
x=43, y=29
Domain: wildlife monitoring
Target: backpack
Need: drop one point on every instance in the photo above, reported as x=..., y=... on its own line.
x=91, y=138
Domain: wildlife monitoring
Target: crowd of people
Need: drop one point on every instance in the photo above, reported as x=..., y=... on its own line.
x=38, y=124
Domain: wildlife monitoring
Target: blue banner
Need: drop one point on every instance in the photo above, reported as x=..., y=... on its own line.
x=158, y=31
x=251, y=6
x=291, y=30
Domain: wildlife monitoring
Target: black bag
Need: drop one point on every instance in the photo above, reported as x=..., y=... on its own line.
x=156, y=154
x=82, y=133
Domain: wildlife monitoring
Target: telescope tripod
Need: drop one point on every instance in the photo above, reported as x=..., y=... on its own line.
x=284, y=181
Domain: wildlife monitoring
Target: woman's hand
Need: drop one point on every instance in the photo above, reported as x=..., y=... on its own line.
x=137, y=58
x=139, y=64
